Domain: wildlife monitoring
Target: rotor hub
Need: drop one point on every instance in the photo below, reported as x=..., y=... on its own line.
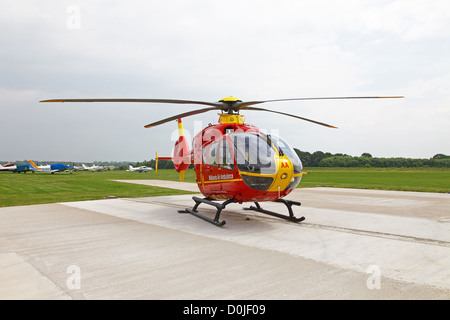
x=231, y=118
x=230, y=105
x=230, y=100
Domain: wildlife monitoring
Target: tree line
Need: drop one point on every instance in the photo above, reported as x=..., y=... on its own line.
x=315, y=159
x=326, y=159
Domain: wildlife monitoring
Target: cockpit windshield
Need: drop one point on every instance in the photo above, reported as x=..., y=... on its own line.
x=289, y=152
x=253, y=152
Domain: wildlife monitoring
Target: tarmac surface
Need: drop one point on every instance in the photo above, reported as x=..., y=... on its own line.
x=354, y=244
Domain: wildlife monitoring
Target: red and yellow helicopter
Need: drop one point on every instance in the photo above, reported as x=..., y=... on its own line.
x=234, y=162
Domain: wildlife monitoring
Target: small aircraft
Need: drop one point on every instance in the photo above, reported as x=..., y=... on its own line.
x=15, y=168
x=52, y=168
x=235, y=162
x=77, y=168
x=92, y=168
x=140, y=169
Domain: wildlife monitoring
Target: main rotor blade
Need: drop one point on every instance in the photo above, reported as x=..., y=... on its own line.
x=181, y=115
x=214, y=104
x=249, y=103
x=291, y=115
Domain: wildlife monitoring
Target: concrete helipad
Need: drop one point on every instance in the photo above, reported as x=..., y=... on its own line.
x=354, y=244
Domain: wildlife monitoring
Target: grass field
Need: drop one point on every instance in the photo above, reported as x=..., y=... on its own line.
x=403, y=179
x=34, y=188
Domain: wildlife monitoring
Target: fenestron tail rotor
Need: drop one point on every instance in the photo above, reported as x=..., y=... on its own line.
x=230, y=105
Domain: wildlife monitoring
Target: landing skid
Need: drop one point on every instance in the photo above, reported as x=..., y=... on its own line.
x=288, y=204
x=221, y=206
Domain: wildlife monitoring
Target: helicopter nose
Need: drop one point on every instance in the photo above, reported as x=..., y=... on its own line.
x=284, y=175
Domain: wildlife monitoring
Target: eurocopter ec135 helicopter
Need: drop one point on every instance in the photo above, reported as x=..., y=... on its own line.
x=234, y=162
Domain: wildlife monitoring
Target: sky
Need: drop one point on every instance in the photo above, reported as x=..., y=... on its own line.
x=207, y=50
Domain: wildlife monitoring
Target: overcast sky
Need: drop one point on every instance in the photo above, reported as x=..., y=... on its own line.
x=207, y=50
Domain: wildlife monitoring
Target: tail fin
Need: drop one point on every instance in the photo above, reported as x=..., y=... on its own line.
x=181, y=153
x=32, y=165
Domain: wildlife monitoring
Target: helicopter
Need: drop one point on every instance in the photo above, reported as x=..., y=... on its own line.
x=235, y=162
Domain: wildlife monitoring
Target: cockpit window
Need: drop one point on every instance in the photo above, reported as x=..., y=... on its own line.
x=253, y=152
x=289, y=152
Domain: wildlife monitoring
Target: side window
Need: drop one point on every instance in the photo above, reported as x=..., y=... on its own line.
x=205, y=154
x=214, y=159
x=226, y=158
x=219, y=153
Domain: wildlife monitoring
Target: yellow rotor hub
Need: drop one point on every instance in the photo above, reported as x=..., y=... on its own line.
x=230, y=99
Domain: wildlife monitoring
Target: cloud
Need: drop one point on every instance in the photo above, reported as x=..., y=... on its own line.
x=410, y=20
x=206, y=50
